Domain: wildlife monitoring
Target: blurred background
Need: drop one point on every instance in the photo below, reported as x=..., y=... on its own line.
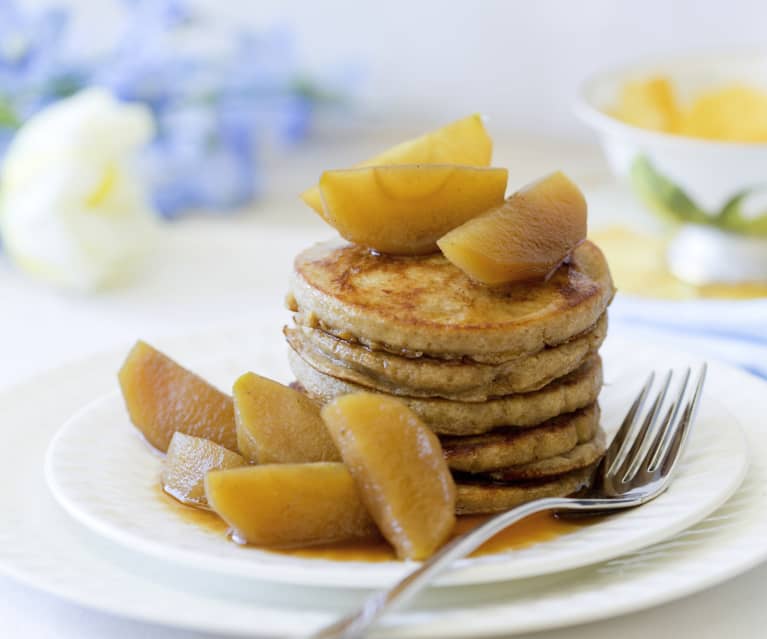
x=430, y=61
x=154, y=151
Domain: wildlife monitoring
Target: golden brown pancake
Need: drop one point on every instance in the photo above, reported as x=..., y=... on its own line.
x=447, y=417
x=477, y=497
x=425, y=304
x=584, y=454
x=515, y=447
x=461, y=380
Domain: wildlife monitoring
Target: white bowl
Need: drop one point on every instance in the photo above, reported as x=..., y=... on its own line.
x=688, y=180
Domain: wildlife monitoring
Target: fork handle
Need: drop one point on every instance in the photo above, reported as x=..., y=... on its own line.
x=359, y=622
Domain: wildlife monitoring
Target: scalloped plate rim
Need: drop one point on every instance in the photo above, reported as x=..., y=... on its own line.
x=322, y=572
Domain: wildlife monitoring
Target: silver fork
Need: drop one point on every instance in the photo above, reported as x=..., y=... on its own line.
x=636, y=468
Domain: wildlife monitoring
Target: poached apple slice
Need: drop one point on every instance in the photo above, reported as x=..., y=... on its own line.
x=464, y=141
x=188, y=461
x=283, y=505
x=279, y=425
x=163, y=397
x=526, y=237
x=398, y=465
x=405, y=209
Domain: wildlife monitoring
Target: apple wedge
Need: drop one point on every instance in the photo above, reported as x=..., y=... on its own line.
x=405, y=209
x=283, y=505
x=464, y=141
x=188, y=461
x=527, y=237
x=279, y=425
x=399, y=468
x=163, y=397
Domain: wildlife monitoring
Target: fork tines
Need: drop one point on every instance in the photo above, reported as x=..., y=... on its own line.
x=647, y=449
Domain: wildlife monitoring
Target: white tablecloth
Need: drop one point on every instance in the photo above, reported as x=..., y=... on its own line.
x=212, y=271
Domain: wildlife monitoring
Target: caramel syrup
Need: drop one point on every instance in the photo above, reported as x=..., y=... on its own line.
x=199, y=517
x=528, y=532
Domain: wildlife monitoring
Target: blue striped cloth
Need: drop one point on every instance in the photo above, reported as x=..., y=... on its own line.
x=729, y=330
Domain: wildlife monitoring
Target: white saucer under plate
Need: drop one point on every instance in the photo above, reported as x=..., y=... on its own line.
x=44, y=547
x=107, y=478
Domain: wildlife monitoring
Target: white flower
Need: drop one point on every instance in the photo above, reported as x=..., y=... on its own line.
x=72, y=208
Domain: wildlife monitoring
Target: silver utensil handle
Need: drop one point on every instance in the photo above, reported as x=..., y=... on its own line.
x=356, y=624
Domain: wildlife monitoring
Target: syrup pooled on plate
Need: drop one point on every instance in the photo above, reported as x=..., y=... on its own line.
x=200, y=517
x=528, y=532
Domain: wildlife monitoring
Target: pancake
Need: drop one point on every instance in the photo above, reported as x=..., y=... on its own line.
x=461, y=380
x=582, y=455
x=447, y=417
x=480, y=497
x=506, y=447
x=424, y=304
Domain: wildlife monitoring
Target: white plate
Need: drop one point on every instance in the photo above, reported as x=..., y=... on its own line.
x=43, y=547
x=115, y=494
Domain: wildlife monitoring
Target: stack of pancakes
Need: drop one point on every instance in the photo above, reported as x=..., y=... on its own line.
x=507, y=377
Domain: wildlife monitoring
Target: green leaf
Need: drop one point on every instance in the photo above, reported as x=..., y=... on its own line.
x=666, y=198
x=305, y=87
x=662, y=195
x=731, y=217
x=65, y=85
x=8, y=117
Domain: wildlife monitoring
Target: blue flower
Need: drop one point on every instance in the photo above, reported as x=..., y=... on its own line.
x=34, y=68
x=214, y=112
x=160, y=15
x=144, y=65
x=203, y=158
x=263, y=72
